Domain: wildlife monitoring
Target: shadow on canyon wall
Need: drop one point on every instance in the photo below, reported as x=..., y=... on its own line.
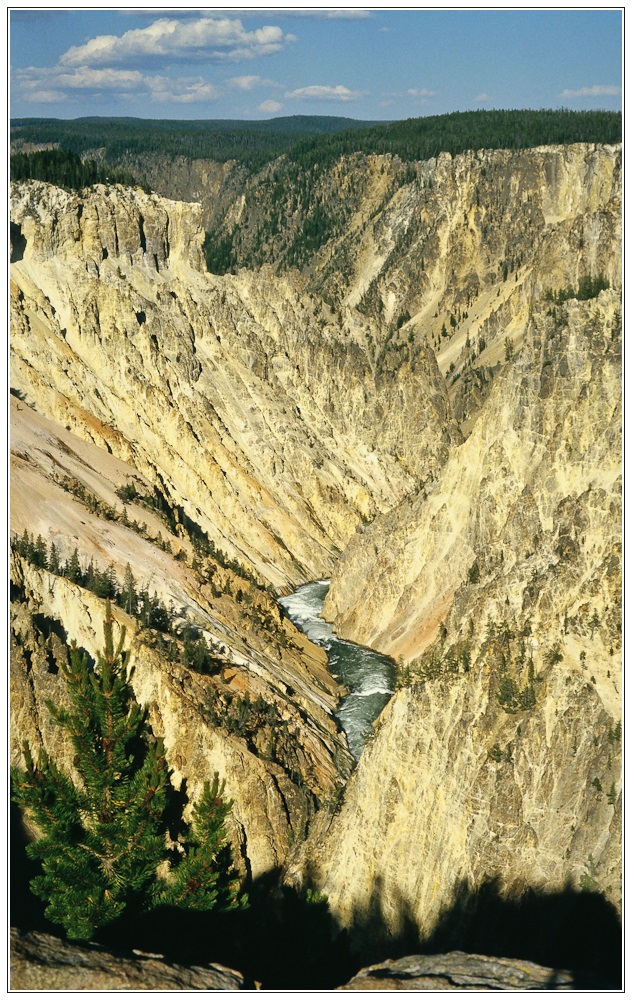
x=289, y=940
x=568, y=929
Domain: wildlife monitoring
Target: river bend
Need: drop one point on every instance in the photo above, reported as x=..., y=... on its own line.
x=368, y=675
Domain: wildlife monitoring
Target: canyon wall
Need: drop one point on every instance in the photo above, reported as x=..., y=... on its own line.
x=498, y=761
x=420, y=414
x=464, y=242
x=250, y=413
x=549, y=434
x=254, y=409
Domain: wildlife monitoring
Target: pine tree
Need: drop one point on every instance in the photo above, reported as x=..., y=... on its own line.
x=24, y=546
x=129, y=591
x=103, y=840
x=40, y=557
x=204, y=879
x=73, y=568
x=54, y=564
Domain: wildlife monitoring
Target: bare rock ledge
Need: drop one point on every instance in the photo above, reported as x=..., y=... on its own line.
x=43, y=962
x=459, y=971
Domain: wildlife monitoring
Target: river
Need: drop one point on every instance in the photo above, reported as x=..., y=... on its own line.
x=367, y=674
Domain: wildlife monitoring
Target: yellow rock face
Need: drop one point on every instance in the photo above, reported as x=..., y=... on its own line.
x=254, y=413
x=500, y=758
x=258, y=413
x=549, y=433
x=461, y=488
x=498, y=589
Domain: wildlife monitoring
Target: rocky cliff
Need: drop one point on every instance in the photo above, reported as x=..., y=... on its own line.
x=280, y=752
x=256, y=706
x=499, y=759
x=191, y=430
x=225, y=391
x=430, y=412
x=454, y=249
x=533, y=493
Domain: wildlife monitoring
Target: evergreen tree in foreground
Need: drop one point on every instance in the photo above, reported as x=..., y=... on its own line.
x=103, y=841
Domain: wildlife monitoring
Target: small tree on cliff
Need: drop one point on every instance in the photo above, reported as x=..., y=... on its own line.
x=103, y=843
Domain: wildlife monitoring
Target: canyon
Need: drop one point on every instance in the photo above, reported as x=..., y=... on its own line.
x=428, y=412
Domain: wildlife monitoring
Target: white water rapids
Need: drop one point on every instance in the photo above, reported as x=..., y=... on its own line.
x=368, y=674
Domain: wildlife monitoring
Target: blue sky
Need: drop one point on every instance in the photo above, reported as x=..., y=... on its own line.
x=365, y=63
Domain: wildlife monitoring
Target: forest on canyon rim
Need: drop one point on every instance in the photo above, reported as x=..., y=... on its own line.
x=388, y=357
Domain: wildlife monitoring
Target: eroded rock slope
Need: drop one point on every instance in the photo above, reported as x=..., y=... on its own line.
x=254, y=408
x=251, y=698
x=499, y=759
x=413, y=414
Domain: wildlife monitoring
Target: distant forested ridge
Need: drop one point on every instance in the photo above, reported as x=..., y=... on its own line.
x=424, y=138
x=306, y=139
x=252, y=143
x=307, y=197
x=65, y=169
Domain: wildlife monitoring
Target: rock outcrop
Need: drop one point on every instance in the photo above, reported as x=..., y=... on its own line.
x=42, y=962
x=461, y=972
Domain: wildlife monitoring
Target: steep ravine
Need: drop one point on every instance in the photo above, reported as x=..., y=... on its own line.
x=224, y=391
x=301, y=426
x=64, y=490
x=495, y=775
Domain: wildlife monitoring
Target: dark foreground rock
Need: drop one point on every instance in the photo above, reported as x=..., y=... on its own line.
x=458, y=971
x=43, y=962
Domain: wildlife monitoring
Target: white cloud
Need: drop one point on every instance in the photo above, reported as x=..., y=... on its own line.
x=596, y=91
x=422, y=92
x=251, y=82
x=45, y=96
x=481, y=98
x=85, y=78
x=223, y=39
x=34, y=79
x=180, y=90
x=270, y=107
x=59, y=83
x=325, y=93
